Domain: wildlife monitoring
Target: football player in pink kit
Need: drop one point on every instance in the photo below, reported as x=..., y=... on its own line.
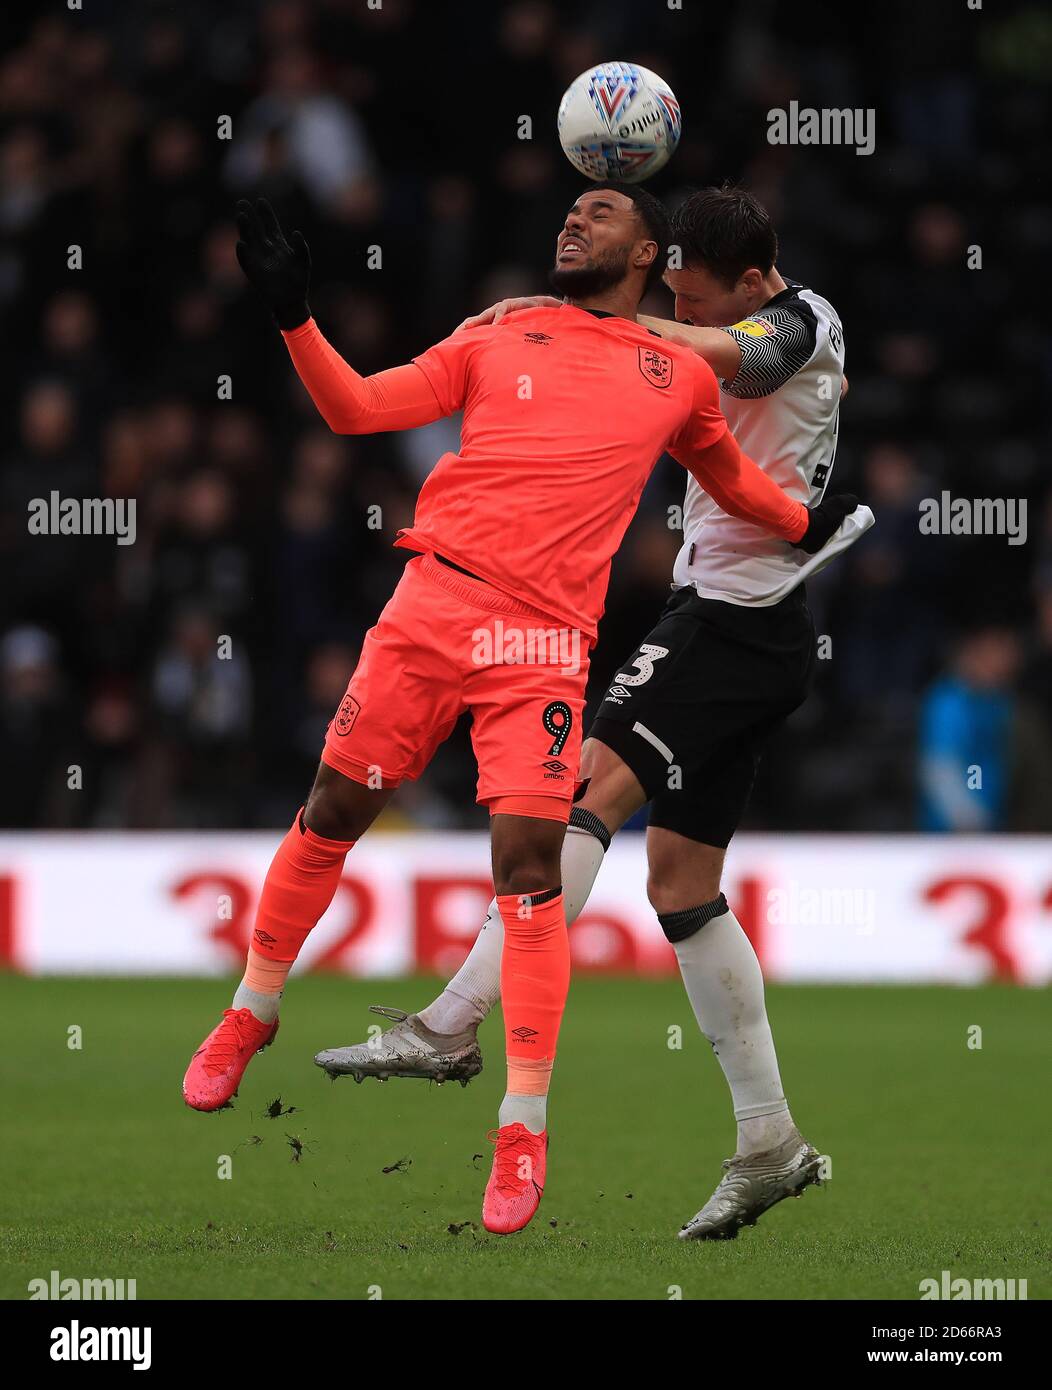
x=565, y=413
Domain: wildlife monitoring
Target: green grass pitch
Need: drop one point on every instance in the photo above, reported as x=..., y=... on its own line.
x=940, y=1152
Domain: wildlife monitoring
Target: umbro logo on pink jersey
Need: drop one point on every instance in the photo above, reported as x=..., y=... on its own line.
x=541, y=338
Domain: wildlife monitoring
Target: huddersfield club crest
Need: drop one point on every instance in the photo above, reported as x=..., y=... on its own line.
x=656, y=367
x=346, y=714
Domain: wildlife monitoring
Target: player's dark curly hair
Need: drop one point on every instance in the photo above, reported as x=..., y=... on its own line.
x=725, y=231
x=651, y=212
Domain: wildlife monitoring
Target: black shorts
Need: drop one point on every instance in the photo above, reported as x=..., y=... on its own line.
x=692, y=708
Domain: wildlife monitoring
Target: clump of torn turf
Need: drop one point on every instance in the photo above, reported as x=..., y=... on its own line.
x=275, y=1110
x=298, y=1147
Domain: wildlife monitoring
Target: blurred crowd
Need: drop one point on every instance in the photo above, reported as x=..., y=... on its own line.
x=143, y=368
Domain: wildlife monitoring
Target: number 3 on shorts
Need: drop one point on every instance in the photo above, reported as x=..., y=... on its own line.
x=644, y=664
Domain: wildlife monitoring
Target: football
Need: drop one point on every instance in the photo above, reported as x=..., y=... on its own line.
x=619, y=121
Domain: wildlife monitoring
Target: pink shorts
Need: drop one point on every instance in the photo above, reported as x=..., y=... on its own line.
x=446, y=643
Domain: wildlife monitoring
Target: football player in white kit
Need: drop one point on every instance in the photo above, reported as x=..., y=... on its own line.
x=687, y=715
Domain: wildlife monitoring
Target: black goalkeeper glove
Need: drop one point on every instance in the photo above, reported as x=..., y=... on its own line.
x=825, y=520
x=278, y=269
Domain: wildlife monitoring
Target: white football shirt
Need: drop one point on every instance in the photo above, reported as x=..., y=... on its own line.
x=783, y=408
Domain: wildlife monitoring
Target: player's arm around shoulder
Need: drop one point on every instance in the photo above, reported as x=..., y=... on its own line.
x=503, y=307
x=715, y=346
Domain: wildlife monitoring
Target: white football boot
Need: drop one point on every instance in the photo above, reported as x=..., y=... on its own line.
x=752, y=1184
x=409, y=1049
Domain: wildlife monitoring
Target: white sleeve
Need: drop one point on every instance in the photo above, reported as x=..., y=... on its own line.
x=774, y=346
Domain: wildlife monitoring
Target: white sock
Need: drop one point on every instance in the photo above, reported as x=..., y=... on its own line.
x=263, y=1006
x=475, y=988
x=531, y=1111
x=725, y=987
